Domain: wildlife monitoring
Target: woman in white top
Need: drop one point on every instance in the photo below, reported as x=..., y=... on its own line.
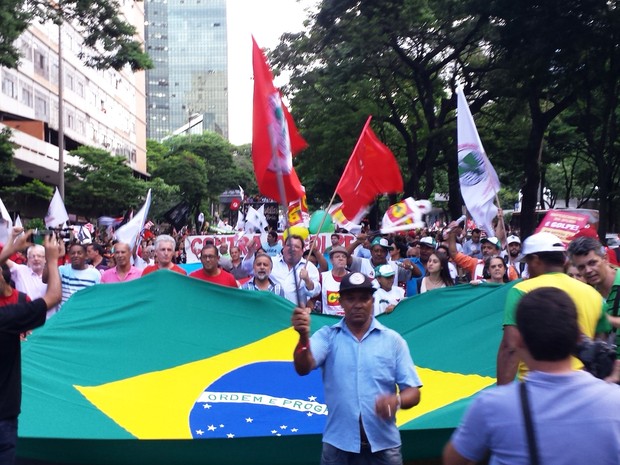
x=437, y=274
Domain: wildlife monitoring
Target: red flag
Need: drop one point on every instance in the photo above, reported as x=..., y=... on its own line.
x=274, y=136
x=371, y=170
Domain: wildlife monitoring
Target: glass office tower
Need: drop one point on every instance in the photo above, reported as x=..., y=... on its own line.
x=187, y=41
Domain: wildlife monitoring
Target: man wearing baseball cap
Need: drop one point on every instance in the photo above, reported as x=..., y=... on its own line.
x=363, y=390
x=516, y=268
x=379, y=252
x=545, y=256
x=331, y=279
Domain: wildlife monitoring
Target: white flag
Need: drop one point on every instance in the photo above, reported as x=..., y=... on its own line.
x=56, y=213
x=478, y=179
x=263, y=223
x=6, y=224
x=130, y=231
x=252, y=220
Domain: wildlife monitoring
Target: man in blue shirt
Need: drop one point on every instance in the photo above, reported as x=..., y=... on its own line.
x=368, y=374
x=575, y=416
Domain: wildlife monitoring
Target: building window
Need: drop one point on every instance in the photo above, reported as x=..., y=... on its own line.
x=40, y=63
x=26, y=96
x=9, y=86
x=40, y=107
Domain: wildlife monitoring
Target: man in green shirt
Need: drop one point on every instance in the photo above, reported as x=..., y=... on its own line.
x=590, y=258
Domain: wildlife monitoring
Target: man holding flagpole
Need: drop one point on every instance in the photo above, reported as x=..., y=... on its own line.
x=299, y=278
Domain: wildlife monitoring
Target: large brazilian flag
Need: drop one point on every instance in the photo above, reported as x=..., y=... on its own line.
x=172, y=370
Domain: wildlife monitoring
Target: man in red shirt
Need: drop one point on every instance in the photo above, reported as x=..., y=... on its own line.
x=210, y=271
x=164, y=252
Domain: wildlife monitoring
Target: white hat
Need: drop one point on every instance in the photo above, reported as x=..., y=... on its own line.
x=512, y=239
x=428, y=241
x=384, y=271
x=542, y=242
x=494, y=241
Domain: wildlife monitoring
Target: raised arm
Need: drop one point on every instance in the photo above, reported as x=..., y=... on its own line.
x=52, y=253
x=302, y=356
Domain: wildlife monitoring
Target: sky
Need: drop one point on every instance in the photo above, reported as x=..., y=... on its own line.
x=267, y=20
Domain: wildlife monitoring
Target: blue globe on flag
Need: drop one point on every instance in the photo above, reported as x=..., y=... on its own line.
x=227, y=408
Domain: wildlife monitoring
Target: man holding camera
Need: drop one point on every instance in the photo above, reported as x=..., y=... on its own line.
x=545, y=256
x=575, y=417
x=14, y=320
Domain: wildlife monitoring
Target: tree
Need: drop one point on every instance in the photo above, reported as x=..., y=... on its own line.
x=187, y=171
x=102, y=184
x=393, y=59
x=223, y=173
x=8, y=170
x=163, y=198
x=109, y=40
x=542, y=53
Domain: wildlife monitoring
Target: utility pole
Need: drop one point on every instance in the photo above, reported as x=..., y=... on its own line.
x=61, y=129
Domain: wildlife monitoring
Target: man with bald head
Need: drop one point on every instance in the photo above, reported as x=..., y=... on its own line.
x=124, y=270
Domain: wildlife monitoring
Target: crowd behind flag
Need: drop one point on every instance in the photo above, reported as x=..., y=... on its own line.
x=477, y=177
x=275, y=138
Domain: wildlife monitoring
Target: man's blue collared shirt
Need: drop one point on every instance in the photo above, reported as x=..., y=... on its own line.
x=355, y=373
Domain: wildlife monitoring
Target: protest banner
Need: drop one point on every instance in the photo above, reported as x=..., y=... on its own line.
x=563, y=224
x=194, y=244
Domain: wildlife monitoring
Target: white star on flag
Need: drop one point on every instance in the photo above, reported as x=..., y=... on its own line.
x=211, y=428
x=294, y=430
x=283, y=427
x=249, y=420
x=230, y=435
x=199, y=432
x=206, y=406
x=273, y=431
x=312, y=398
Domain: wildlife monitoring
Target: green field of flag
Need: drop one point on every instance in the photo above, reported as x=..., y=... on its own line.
x=172, y=370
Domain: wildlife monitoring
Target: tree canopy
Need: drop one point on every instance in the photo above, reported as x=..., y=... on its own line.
x=522, y=65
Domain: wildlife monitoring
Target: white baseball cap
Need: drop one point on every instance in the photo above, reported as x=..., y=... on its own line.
x=512, y=239
x=542, y=242
x=428, y=241
x=494, y=241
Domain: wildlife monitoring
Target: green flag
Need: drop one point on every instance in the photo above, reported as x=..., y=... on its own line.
x=169, y=369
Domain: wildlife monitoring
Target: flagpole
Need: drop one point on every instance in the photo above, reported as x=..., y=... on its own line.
x=282, y=191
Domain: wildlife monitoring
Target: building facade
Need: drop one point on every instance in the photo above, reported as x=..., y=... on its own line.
x=102, y=108
x=187, y=40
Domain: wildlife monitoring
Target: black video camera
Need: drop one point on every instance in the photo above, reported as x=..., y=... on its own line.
x=598, y=357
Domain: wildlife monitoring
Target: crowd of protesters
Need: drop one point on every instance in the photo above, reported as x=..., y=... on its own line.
x=392, y=267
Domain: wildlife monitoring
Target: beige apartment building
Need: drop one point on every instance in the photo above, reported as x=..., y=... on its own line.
x=102, y=108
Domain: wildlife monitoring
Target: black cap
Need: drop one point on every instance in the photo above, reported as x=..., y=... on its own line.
x=356, y=281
